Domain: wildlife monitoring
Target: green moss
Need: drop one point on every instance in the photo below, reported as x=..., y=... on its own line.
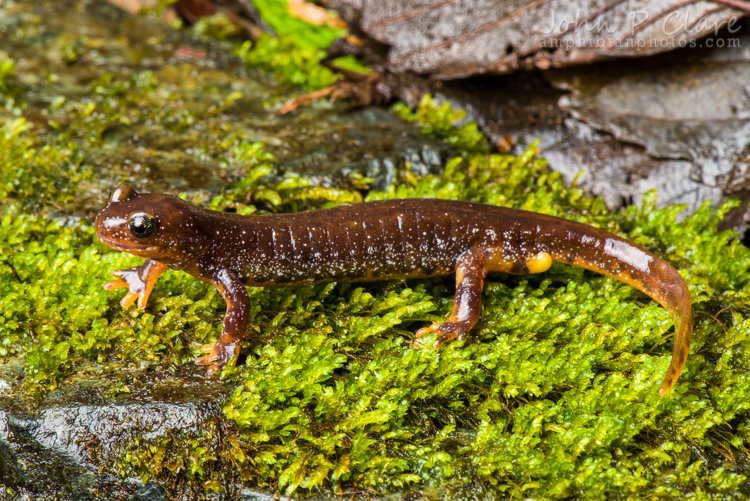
x=294, y=56
x=54, y=309
x=185, y=457
x=439, y=122
x=289, y=63
x=37, y=168
x=120, y=103
x=9, y=88
x=218, y=26
x=7, y=68
x=352, y=64
x=555, y=397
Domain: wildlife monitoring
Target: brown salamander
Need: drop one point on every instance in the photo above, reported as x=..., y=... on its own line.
x=411, y=238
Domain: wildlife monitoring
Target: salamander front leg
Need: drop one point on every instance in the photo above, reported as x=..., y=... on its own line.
x=226, y=349
x=470, y=273
x=139, y=280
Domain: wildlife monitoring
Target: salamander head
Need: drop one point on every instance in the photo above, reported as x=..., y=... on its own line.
x=162, y=228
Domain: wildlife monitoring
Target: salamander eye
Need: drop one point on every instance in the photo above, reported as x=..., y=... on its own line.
x=143, y=225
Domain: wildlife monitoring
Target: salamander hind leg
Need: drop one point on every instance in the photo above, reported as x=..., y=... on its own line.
x=470, y=273
x=220, y=354
x=471, y=268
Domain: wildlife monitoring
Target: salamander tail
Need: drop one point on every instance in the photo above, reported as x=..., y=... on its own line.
x=611, y=255
x=682, y=315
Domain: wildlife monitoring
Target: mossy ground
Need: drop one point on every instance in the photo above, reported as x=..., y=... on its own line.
x=553, y=396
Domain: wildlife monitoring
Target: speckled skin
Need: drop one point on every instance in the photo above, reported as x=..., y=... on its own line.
x=410, y=238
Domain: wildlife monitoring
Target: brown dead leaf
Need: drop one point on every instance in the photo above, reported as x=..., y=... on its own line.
x=192, y=10
x=456, y=38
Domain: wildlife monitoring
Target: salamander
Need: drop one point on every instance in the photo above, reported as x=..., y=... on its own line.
x=408, y=238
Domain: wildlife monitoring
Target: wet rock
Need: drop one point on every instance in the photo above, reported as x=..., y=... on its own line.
x=338, y=140
x=68, y=443
x=150, y=492
x=689, y=120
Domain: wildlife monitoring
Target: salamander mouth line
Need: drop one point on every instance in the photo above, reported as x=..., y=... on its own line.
x=115, y=244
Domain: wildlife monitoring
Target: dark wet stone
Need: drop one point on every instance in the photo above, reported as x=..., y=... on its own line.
x=686, y=118
x=336, y=140
x=67, y=443
x=251, y=495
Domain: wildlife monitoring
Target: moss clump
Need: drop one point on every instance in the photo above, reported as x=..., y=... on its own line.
x=305, y=34
x=555, y=396
x=290, y=193
x=9, y=88
x=439, y=122
x=7, y=68
x=289, y=63
x=55, y=311
x=194, y=460
x=36, y=168
x=294, y=56
x=111, y=104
